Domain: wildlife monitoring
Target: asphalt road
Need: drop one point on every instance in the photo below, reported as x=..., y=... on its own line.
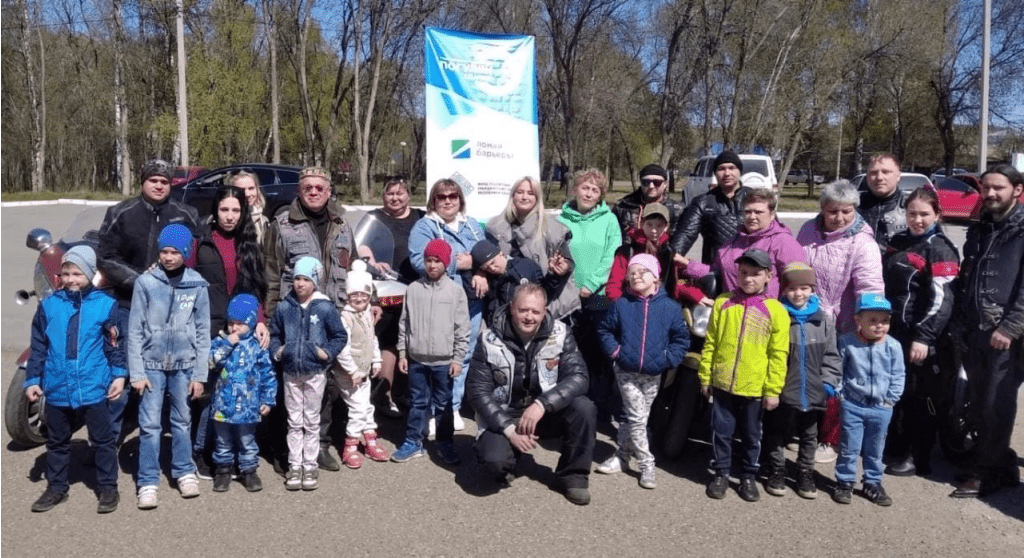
x=422, y=508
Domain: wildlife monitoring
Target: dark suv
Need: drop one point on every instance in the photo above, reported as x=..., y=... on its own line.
x=280, y=184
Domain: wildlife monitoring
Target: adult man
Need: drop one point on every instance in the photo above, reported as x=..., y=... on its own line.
x=653, y=188
x=128, y=243
x=527, y=376
x=314, y=225
x=989, y=320
x=716, y=215
x=883, y=205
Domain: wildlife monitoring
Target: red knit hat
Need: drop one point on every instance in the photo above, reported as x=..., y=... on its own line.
x=440, y=250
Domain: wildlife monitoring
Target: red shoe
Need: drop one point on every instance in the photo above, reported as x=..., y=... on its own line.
x=350, y=455
x=372, y=449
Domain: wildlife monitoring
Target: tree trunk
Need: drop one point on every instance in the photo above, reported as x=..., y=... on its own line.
x=121, y=152
x=36, y=99
x=275, y=102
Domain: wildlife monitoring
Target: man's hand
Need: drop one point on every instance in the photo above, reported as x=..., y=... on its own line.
x=195, y=389
x=376, y=312
x=523, y=442
x=455, y=369
x=528, y=422
x=463, y=261
x=263, y=335
x=770, y=403
x=141, y=386
x=33, y=393
x=115, y=389
x=480, y=286
x=403, y=365
x=918, y=352
x=264, y=410
x=1000, y=341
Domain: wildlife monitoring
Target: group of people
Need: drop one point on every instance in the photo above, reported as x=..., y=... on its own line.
x=278, y=319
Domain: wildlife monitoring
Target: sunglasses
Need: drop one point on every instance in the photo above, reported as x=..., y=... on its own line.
x=447, y=197
x=652, y=182
x=315, y=188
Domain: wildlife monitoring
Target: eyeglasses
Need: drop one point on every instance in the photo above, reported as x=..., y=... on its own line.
x=656, y=182
x=315, y=188
x=447, y=197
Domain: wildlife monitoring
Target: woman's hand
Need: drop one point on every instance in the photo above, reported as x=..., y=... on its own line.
x=558, y=264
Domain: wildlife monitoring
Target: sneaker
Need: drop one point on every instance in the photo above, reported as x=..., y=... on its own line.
x=372, y=448
x=147, y=497
x=222, y=479
x=310, y=479
x=748, y=490
x=876, y=494
x=203, y=469
x=407, y=451
x=449, y=456
x=107, y=500
x=350, y=456
x=252, y=481
x=843, y=493
x=718, y=486
x=776, y=483
x=578, y=496
x=805, y=487
x=293, y=479
x=432, y=427
x=460, y=424
x=49, y=500
x=188, y=486
x=825, y=454
x=325, y=460
x=647, y=477
x=611, y=466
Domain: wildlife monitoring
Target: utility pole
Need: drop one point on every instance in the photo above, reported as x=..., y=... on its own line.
x=182, y=108
x=983, y=140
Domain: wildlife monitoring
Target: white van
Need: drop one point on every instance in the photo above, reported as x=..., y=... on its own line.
x=758, y=172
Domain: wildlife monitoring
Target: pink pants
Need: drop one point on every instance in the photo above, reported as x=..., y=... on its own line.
x=302, y=399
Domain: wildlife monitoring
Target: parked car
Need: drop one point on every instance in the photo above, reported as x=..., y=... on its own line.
x=941, y=173
x=798, y=176
x=185, y=174
x=280, y=184
x=909, y=181
x=960, y=197
x=758, y=172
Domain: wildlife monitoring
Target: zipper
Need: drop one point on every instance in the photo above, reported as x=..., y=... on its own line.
x=643, y=335
x=739, y=348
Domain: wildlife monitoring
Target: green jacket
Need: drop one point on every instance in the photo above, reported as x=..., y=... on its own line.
x=595, y=237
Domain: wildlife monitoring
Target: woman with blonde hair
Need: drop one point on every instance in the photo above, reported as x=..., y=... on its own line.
x=250, y=184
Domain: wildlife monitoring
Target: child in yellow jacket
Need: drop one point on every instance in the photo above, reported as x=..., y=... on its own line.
x=743, y=366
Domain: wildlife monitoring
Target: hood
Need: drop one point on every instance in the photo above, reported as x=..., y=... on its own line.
x=569, y=212
x=855, y=227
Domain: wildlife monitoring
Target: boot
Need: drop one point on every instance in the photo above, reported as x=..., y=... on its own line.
x=350, y=455
x=327, y=461
x=222, y=479
x=372, y=449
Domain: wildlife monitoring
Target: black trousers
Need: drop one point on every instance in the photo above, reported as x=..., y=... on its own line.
x=60, y=424
x=993, y=380
x=577, y=426
x=777, y=426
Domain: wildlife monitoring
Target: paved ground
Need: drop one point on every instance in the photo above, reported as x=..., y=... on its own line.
x=421, y=508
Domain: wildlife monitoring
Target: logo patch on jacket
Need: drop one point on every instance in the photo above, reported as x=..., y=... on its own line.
x=552, y=364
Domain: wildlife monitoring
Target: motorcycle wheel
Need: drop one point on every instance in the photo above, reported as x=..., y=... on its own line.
x=684, y=406
x=23, y=419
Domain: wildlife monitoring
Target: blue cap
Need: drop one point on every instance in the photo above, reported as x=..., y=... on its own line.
x=243, y=308
x=176, y=236
x=872, y=301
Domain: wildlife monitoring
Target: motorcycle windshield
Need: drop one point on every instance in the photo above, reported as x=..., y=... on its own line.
x=85, y=227
x=375, y=236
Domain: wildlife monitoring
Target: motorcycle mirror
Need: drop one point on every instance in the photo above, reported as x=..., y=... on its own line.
x=39, y=239
x=22, y=297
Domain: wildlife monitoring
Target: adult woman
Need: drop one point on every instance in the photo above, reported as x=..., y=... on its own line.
x=595, y=236
x=761, y=231
x=230, y=259
x=841, y=248
x=399, y=217
x=919, y=269
x=524, y=231
x=446, y=219
x=250, y=184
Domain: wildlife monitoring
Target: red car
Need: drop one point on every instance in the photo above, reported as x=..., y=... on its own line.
x=959, y=196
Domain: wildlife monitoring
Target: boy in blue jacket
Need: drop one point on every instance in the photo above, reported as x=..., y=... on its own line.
x=168, y=345
x=246, y=390
x=78, y=368
x=645, y=336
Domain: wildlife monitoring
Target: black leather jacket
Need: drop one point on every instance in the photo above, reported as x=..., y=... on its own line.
x=713, y=216
x=991, y=289
x=919, y=272
x=627, y=211
x=504, y=377
x=887, y=217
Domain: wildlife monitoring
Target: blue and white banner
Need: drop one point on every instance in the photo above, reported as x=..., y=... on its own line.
x=481, y=121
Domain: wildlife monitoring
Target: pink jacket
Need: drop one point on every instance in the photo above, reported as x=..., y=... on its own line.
x=847, y=263
x=776, y=239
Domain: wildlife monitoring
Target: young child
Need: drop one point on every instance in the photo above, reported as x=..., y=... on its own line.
x=306, y=335
x=433, y=334
x=355, y=363
x=873, y=376
x=167, y=348
x=504, y=274
x=814, y=371
x=78, y=368
x=246, y=390
x=743, y=365
x=644, y=335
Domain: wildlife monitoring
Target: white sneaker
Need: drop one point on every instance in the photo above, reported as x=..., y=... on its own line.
x=432, y=427
x=825, y=454
x=611, y=466
x=459, y=423
x=188, y=486
x=147, y=497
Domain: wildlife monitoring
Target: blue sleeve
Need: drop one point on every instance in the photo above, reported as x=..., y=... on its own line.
x=608, y=330
x=276, y=332
x=421, y=235
x=678, y=337
x=113, y=347
x=268, y=381
x=39, y=348
x=136, y=330
x=337, y=337
x=202, y=317
x=899, y=371
x=220, y=350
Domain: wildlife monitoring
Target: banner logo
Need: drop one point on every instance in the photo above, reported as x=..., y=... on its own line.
x=460, y=149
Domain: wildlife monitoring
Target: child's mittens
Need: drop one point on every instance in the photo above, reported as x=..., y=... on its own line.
x=830, y=391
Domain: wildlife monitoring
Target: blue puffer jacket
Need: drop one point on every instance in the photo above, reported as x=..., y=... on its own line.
x=169, y=326
x=296, y=333
x=72, y=357
x=245, y=379
x=645, y=333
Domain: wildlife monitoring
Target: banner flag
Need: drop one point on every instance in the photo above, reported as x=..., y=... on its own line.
x=481, y=119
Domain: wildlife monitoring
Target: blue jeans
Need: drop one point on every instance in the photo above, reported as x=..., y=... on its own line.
x=236, y=439
x=60, y=424
x=429, y=387
x=175, y=383
x=863, y=436
x=729, y=414
x=476, y=313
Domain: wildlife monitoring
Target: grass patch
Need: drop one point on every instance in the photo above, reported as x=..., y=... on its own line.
x=48, y=195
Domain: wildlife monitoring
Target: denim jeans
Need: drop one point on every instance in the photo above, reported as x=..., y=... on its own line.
x=175, y=383
x=60, y=424
x=734, y=414
x=863, y=436
x=429, y=387
x=116, y=410
x=236, y=439
x=476, y=313
x=204, y=426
